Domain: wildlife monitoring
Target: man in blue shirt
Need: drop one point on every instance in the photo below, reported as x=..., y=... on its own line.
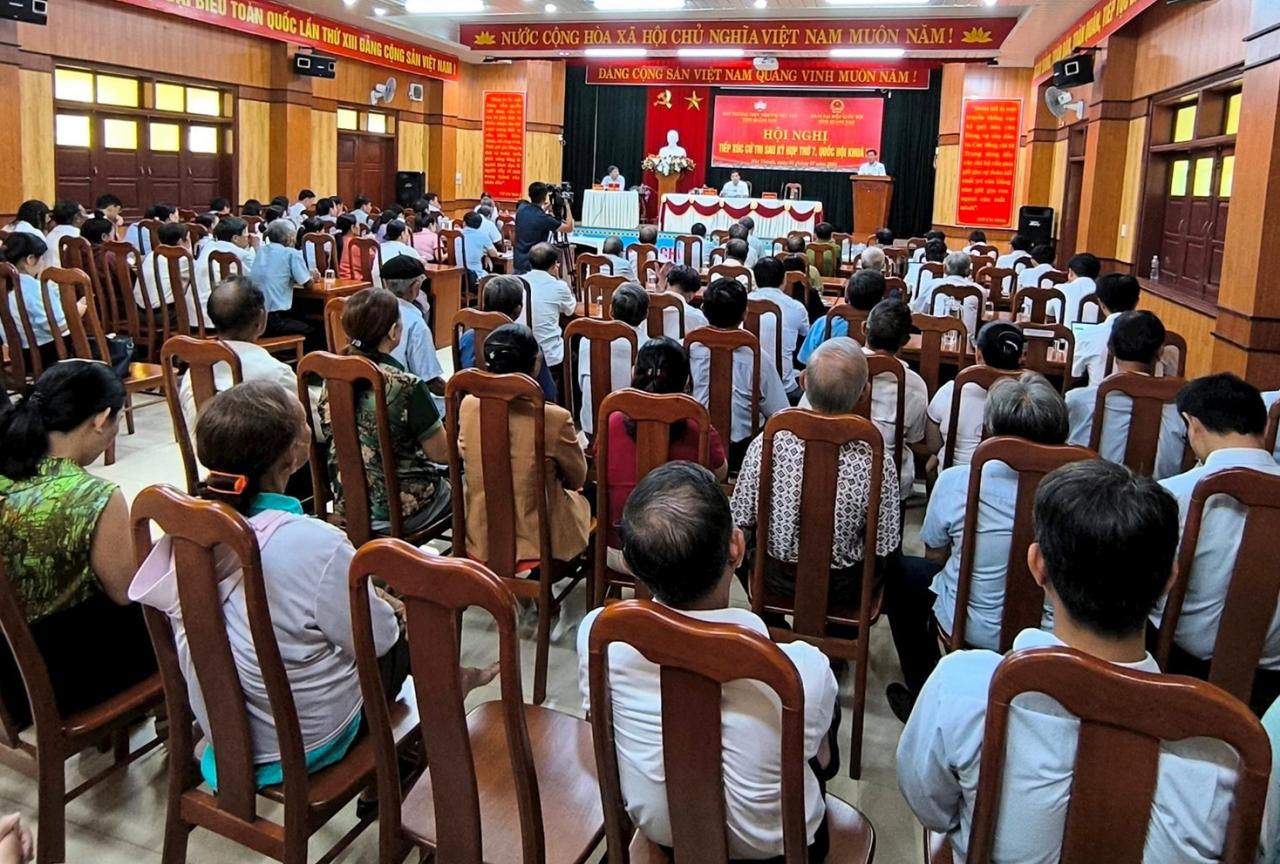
x=277, y=269
x=476, y=244
x=864, y=290
x=534, y=224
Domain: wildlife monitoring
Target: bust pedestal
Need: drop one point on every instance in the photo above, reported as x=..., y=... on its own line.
x=669, y=184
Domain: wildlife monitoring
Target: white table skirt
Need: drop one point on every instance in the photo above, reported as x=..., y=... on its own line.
x=620, y=210
x=773, y=217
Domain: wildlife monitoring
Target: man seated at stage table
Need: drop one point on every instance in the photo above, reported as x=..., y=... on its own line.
x=535, y=225
x=551, y=299
x=736, y=187
x=505, y=294
x=863, y=291
x=685, y=283
x=873, y=167
x=611, y=248
x=614, y=179
x=725, y=305
x=769, y=274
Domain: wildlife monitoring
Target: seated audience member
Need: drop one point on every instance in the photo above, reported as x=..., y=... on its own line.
x=508, y=350
x=863, y=291
x=63, y=541
x=1082, y=271
x=476, y=245
x=63, y=216
x=648, y=234
x=343, y=233
x=999, y=346
x=372, y=322
x=269, y=215
x=827, y=264
x=298, y=209
x=551, y=299
x=1104, y=550
x=146, y=293
x=872, y=258
x=488, y=211
x=277, y=269
x=977, y=237
x=361, y=209
x=884, y=237
x=813, y=292
x=797, y=246
x=698, y=229
x=768, y=274
x=737, y=252
x=31, y=218
x=956, y=269
x=426, y=240
x=630, y=305
x=253, y=437
x=1026, y=407
x=395, y=233
x=1226, y=421
x=220, y=207
x=662, y=367
x=1136, y=339
x=433, y=203
x=678, y=538
x=1020, y=249
x=251, y=207
x=725, y=305
x=684, y=282
x=108, y=207
x=230, y=235
x=761, y=247
x=739, y=231
x=888, y=331
x=238, y=312
x=324, y=212
x=930, y=236
x=505, y=294
x=310, y=225
x=535, y=225
x=1042, y=257
x=834, y=381
x=416, y=352
x=1118, y=293
x=98, y=231
x=919, y=280
x=612, y=249
x=385, y=218
x=24, y=250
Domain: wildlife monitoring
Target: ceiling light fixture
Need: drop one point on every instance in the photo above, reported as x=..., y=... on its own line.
x=616, y=52
x=434, y=7
x=710, y=52
x=761, y=4
x=549, y=8
x=350, y=4
x=637, y=5
x=379, y=11
x=868, y=53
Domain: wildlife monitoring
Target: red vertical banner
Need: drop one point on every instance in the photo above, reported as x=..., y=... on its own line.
x=503, y=144
x=989, y=133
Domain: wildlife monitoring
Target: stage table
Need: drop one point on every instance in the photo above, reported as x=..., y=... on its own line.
x=773, y=217
x=618, y=210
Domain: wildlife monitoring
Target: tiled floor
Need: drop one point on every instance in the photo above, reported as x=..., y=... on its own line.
x=121, y=820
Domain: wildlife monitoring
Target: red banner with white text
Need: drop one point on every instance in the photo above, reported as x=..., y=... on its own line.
x=809, y=74
x=989, y=132
x=807, y=133
x=503, y=144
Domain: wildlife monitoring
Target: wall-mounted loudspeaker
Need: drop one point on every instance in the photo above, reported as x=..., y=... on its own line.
x=28, y=11
x=1073, y=71
x=314, y=65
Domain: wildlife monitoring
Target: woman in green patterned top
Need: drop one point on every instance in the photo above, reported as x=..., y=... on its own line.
x=64, y=540
x=371, y=321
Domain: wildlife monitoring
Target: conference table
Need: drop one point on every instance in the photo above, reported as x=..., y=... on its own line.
x=616, y=209
x=773, y=217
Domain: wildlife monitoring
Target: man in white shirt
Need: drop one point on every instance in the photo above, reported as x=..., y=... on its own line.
x=298, y=209
x=403, y=276
x=239, y=312
x=919, y=280
x=999, y=345
x=614, y=179
x=736, y=187
x=977, y=237
x=957, y=266
x=488, y=226
x=146, y=293
x=1118, y=293
x=630, y=305
x=746, y=255
x=394, y=243
x=231, y=234
x=725, y=305
x=873, y=167
x=680, y=541
x=551, y=298
x=611, y=248
x=761, y=247
x=1020, y=248
x=769, y=274
x=1105, y=543
x=918, y=255
x=360, y=209
x=64, y=214
x=888, y=331
x=1083, y=270
x=1042, y=257
x=1136, y=339
x=140, y=239
x=1026, y=407
x=1226, y=419
x=685, y=283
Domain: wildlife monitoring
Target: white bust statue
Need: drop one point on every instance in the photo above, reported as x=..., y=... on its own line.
x=673, y=147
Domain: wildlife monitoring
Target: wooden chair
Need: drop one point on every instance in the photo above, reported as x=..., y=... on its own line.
x=526, y=307
x=731, y=271
x=346, y=379
x=452, y=248
x=984, y=249
x=914, y=243
x=483, y=323
x=1124, y=716
x=650, y=269
x=1149, y=396
x=796, y=286
x=76, y=254
x=720, y=235
x=1001, y=284
x=179, y=265
x=1273, y=426
x=841, y=242
x=529, y=579
x=881, y=366
x=1255, y=580
x=196, y=529
x=1041, y=353
x=896, y=259
x=1039, y=299
x=896, y=283
x=689, y=250
x=514, y=781
x=696, y=660
x=791, y=191
x=599, y=295
x=1023, y=598
x=254, y=223
x=658, y=305
x=59, y=738
x=224, y=266
x=718, y=255
x=599, y=336
x=587, y=264
x=982, y=377
x=933, y=329
x=320, y=251
x=186, y=215
x=933, y=268
x=150, y=229
x=1053, y=277
x=811, y=607
x=855, y=319
x=806, y=236
x=821, y=253
x=1173, y=354
x=198, y=356
x=367, y=252
x=24, y=363
x=722, y=344
x=639, y=253
x=1091, y=300
x=960, y=294
x=335, y=336
x=757, y=308
x=122, y=269
x=196, y=232
x=778, y=246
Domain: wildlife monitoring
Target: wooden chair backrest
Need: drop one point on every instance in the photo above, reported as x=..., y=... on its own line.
x=451, y=247
x=730, y=271
x=253, y=222
x=984, y=249
x=366, y=250
x=121, y=262
x=821, y=252
x=1091, y=300
x=720, y=235
x=718, y=254
x=796, y=285
x=599, y=291
x=856, y=319
x=483, y=323
x=841, y=241
x=199, y=356
x=224, y=266
x=1053, y=277
x=806, y=236
x=26, y=655
x=1001, y=283
x=1255, y=580
x=982, y=377
x=695, y=660
x=878, y=367
x=1149, y=395
x=722, y=344
x=896, y=258
x=436, y=590
x=196, y=232
x=791, y=191
x=932, y=328
x=1039, y=300
x=1124, y=716
x=651, y=267
x=148, y=229
x=599, y=335
x=172, y=261
x=25, y=363
x=639, y=253
x=87, y=338
x=526, y=308
x=958, y=293
x=587, y=264
x=914, y=243
x=1273, y=426
x=658, y=304
x=321, y=250
x=778, y=246
x=496, y=394
x=76, y=253
x=689, y=250
x=335, y=335
x=757, y=308
x=1038, y=339
x=1173, y=344
x=1023, y=598
x=934, y=268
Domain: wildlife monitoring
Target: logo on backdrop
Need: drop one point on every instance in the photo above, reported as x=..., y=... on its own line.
x=837, y=106
x=664, y=99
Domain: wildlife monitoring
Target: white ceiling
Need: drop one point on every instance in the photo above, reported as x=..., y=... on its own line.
x=1040, y=21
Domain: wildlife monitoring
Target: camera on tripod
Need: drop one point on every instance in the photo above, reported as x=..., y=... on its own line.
x=561, y=195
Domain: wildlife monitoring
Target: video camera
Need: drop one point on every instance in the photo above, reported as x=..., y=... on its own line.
x=561, y=197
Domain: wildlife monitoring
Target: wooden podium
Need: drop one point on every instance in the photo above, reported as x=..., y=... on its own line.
x=668, y=184
x=871, y=199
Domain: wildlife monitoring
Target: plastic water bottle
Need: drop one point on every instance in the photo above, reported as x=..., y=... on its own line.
x=1155, y=268
x=652, y=285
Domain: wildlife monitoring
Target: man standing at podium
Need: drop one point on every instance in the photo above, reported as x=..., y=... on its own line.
x=873, y=167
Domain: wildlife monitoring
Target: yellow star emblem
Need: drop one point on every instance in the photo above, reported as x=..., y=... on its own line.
x=695, y=101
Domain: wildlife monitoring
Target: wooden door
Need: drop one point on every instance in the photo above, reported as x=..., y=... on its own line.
x=1195, y=220
x=347, y=148
x=367, y=166
x=117, y=162
x=204, y=159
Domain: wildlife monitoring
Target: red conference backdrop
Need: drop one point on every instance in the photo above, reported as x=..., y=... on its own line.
x=684, y=110
x=503, y=137
x=806, y=133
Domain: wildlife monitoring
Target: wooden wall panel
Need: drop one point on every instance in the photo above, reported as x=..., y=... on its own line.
x=253, y=149
x=947, y=185
x=469, y=165
x=324, y=152
x=1058, y=180
x=1195, y=327
x=38, y=178
x=411, y=146
x=544, y=82
x=1131, y=194
x=542, y=157
x=1178, y=44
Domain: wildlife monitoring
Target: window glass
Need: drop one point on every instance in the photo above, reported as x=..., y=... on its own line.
x=1202, y=187
x=1184, y=123
x=1178, y=178
x=120, y=134
x=348, y=119
x=202, y=139
x=378, y=123
x=71, y=130
x=117, y=91
x=169, y=97
x=73, y=85
x=207, y=102
x=1228, y=176
x=1233, y=114
x=166, y=137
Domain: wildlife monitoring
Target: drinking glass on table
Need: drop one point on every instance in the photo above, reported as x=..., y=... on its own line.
x=330, y=278
x=989, y=310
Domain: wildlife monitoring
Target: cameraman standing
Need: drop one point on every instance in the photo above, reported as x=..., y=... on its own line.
x=534, y=225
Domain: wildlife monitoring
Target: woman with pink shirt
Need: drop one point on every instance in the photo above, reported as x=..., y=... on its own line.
x=425, y=239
